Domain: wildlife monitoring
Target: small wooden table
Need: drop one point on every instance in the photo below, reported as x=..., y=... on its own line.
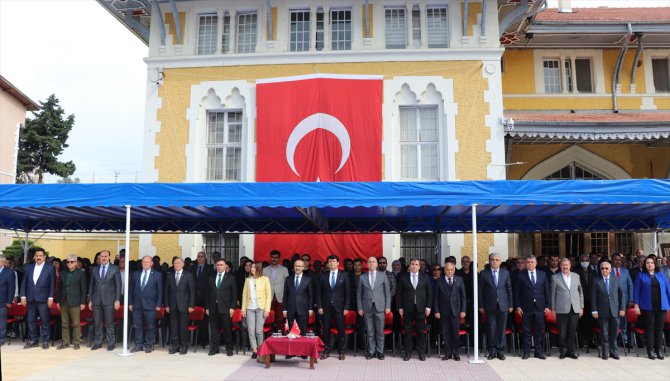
x=301, y=346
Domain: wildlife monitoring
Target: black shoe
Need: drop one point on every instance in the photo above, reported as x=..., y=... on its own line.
x=173, y=350
x=422, y=357
x=540, y=356
x=135, y=349
x=96, y=347
x=649, y=354
x=446, y=357
x=254, y=356
x=111, y=347
x=457, y=358
x=45, y=345
x=406, y=357
x=614, y=356
x=183, y=351
x=63, y=346
x=229, y=353
x=605, y=357
x=76, y=347
x=501, y=356
x=369, y=356
x=213, y=351
x=304, y=357
x=289, y=357
x=524, y=356
x=325, y=355
x=572, y=356
x=561, y=356
x=380, y=356
x=149, y=349
x=491, y=356
x=659, y=355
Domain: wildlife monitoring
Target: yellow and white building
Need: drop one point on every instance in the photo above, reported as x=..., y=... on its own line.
x=442, y=62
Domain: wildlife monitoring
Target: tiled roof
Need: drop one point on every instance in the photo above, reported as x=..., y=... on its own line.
x=590, y=117
x=606, y=15
x=12, y=90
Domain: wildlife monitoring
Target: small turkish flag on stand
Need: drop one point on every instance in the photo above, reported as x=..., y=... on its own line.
x=286, y=325
x=295, y=330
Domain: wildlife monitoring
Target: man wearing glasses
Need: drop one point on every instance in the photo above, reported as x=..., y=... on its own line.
x=71, y=301
x=607, y=305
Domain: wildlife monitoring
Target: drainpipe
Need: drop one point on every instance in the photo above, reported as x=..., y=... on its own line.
x=177, y=22
x=617, y=69
x=270, y=22
x=367, y=18
x=465, y=18
x=640, y=47
x=483, y=34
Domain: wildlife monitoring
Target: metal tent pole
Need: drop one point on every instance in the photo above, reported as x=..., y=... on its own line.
x=125, y=352
x=475, y=288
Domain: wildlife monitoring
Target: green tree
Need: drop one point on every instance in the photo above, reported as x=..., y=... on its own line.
x=41, y=141
x=16, y=249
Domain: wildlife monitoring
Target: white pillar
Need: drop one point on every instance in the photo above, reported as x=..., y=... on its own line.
x=475, y=288
x=124, y=352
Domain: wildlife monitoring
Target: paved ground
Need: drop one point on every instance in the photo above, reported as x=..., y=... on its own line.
x=70, y=365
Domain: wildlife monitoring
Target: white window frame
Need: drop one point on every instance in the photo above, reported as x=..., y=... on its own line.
x=445, y=44
x=335, y=43
x=598, y=79
x=225, y=145
x=210, y=46
x=395, y=26
x=296, y=39
x=419, y=144
x=651, y=60
x=246, y=41
x=226, y=33
x=552, y=83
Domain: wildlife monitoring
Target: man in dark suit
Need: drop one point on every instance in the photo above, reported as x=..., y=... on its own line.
x=179, y=302
x=450, y=301
x=37, y=291
x=495, y=300
x=7, y=290
x=298, y=298
x=71, y=301
x=532, y=298
x=144, y=300
x=333, y=302
x=202, y=272
x=222, y=291
x=415, y=298
x=105, y=292
x=608, y=303
x=585, y=323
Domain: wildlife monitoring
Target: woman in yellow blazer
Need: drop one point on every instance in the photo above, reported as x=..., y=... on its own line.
x=256, y=300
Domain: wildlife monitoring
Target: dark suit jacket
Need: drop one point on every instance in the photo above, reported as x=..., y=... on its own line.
x=607, y=305
x=298, y=301
x=407, y=293
x=7, y=286
x=525, y=292
x=223, y=298
x=340, y=295
x=180, y=297
x=152, y=296
x=492, y=297
x=449, y=301
x=43, y=289
x=108, y=290
x=201, y=282
x=73, y=295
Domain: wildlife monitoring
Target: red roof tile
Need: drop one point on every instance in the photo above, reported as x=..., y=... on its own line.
x=590, y=117
x=606, y=15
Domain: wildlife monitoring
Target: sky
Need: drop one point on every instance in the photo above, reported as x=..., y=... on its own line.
x=76, y=50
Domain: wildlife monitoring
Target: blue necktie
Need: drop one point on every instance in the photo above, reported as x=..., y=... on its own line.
x=607, y=285
x=532, y=277
x=495, y=277
x=296, y=282
x=332, y=279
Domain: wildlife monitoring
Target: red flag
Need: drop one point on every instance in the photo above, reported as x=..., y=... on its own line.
x=295, y=330
x=286, y=325
x=319, y=129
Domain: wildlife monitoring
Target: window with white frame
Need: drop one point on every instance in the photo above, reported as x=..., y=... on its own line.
x=320, y=27
x=247, y=32
x=207, y=33
x=396, y=28
x=340, y=29
x=552, y=75
x=416, y=27
x=224, y=146
x=573, y=172
x=437, y=27
x=661, y=74
x=299, y=30
x=420, y=246
x=419, y=139
x=225, y=36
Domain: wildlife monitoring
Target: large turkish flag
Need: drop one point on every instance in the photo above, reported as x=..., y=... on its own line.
x=319, y=129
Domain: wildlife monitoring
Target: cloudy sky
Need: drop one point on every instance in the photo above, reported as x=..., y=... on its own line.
x=78, y=51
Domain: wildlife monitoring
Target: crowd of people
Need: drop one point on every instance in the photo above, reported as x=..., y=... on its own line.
x=427, y=304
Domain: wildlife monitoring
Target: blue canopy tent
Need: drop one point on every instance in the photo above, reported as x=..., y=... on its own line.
x=386, y=207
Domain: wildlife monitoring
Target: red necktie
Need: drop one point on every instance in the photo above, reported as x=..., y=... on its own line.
x=618, y=274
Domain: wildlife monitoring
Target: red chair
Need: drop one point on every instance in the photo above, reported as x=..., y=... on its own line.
x=551, y=328
x=118, y=319
x=508, y=332
x=426, y=332
x=462, y=331
x=195, y=319
x=388, y=329
x=160, y=319
x=349, y=327
x=54, y=319
x=269, y=323
x=631, y=317
x=596, y=330
x=85, y=322
x=236, y=321
x=16, y=314
x=311, y=323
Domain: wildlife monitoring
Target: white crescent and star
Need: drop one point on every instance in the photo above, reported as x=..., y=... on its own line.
x=311, y=123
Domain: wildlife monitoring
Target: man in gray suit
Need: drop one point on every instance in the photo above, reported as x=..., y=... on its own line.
x=608, y=303
x=373, y=296
x=105, y=292
x=495, y=299
x=567, y=298
x=277, y=275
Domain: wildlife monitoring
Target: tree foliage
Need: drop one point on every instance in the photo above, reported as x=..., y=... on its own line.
x=41, y=141
x=15, y=250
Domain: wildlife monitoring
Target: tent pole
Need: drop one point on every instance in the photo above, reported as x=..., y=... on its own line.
x=475, y=288
x=125, y=352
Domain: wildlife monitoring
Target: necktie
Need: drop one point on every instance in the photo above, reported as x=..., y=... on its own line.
x=199, y=271
x=297, y=282
x=618, y=274
x=178, y=276
x=218, y=281
x=495, y=277
x=414, y=282
x=104, y=271
x=144, y=279
x=532, y=277
x=607, y=285
x=372, y=284
x=332, y=279
x=449, y=281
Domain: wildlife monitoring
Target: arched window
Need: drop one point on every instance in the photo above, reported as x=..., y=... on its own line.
x=573, y=172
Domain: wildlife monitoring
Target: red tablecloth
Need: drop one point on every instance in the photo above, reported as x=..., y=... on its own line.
x=302, y=346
